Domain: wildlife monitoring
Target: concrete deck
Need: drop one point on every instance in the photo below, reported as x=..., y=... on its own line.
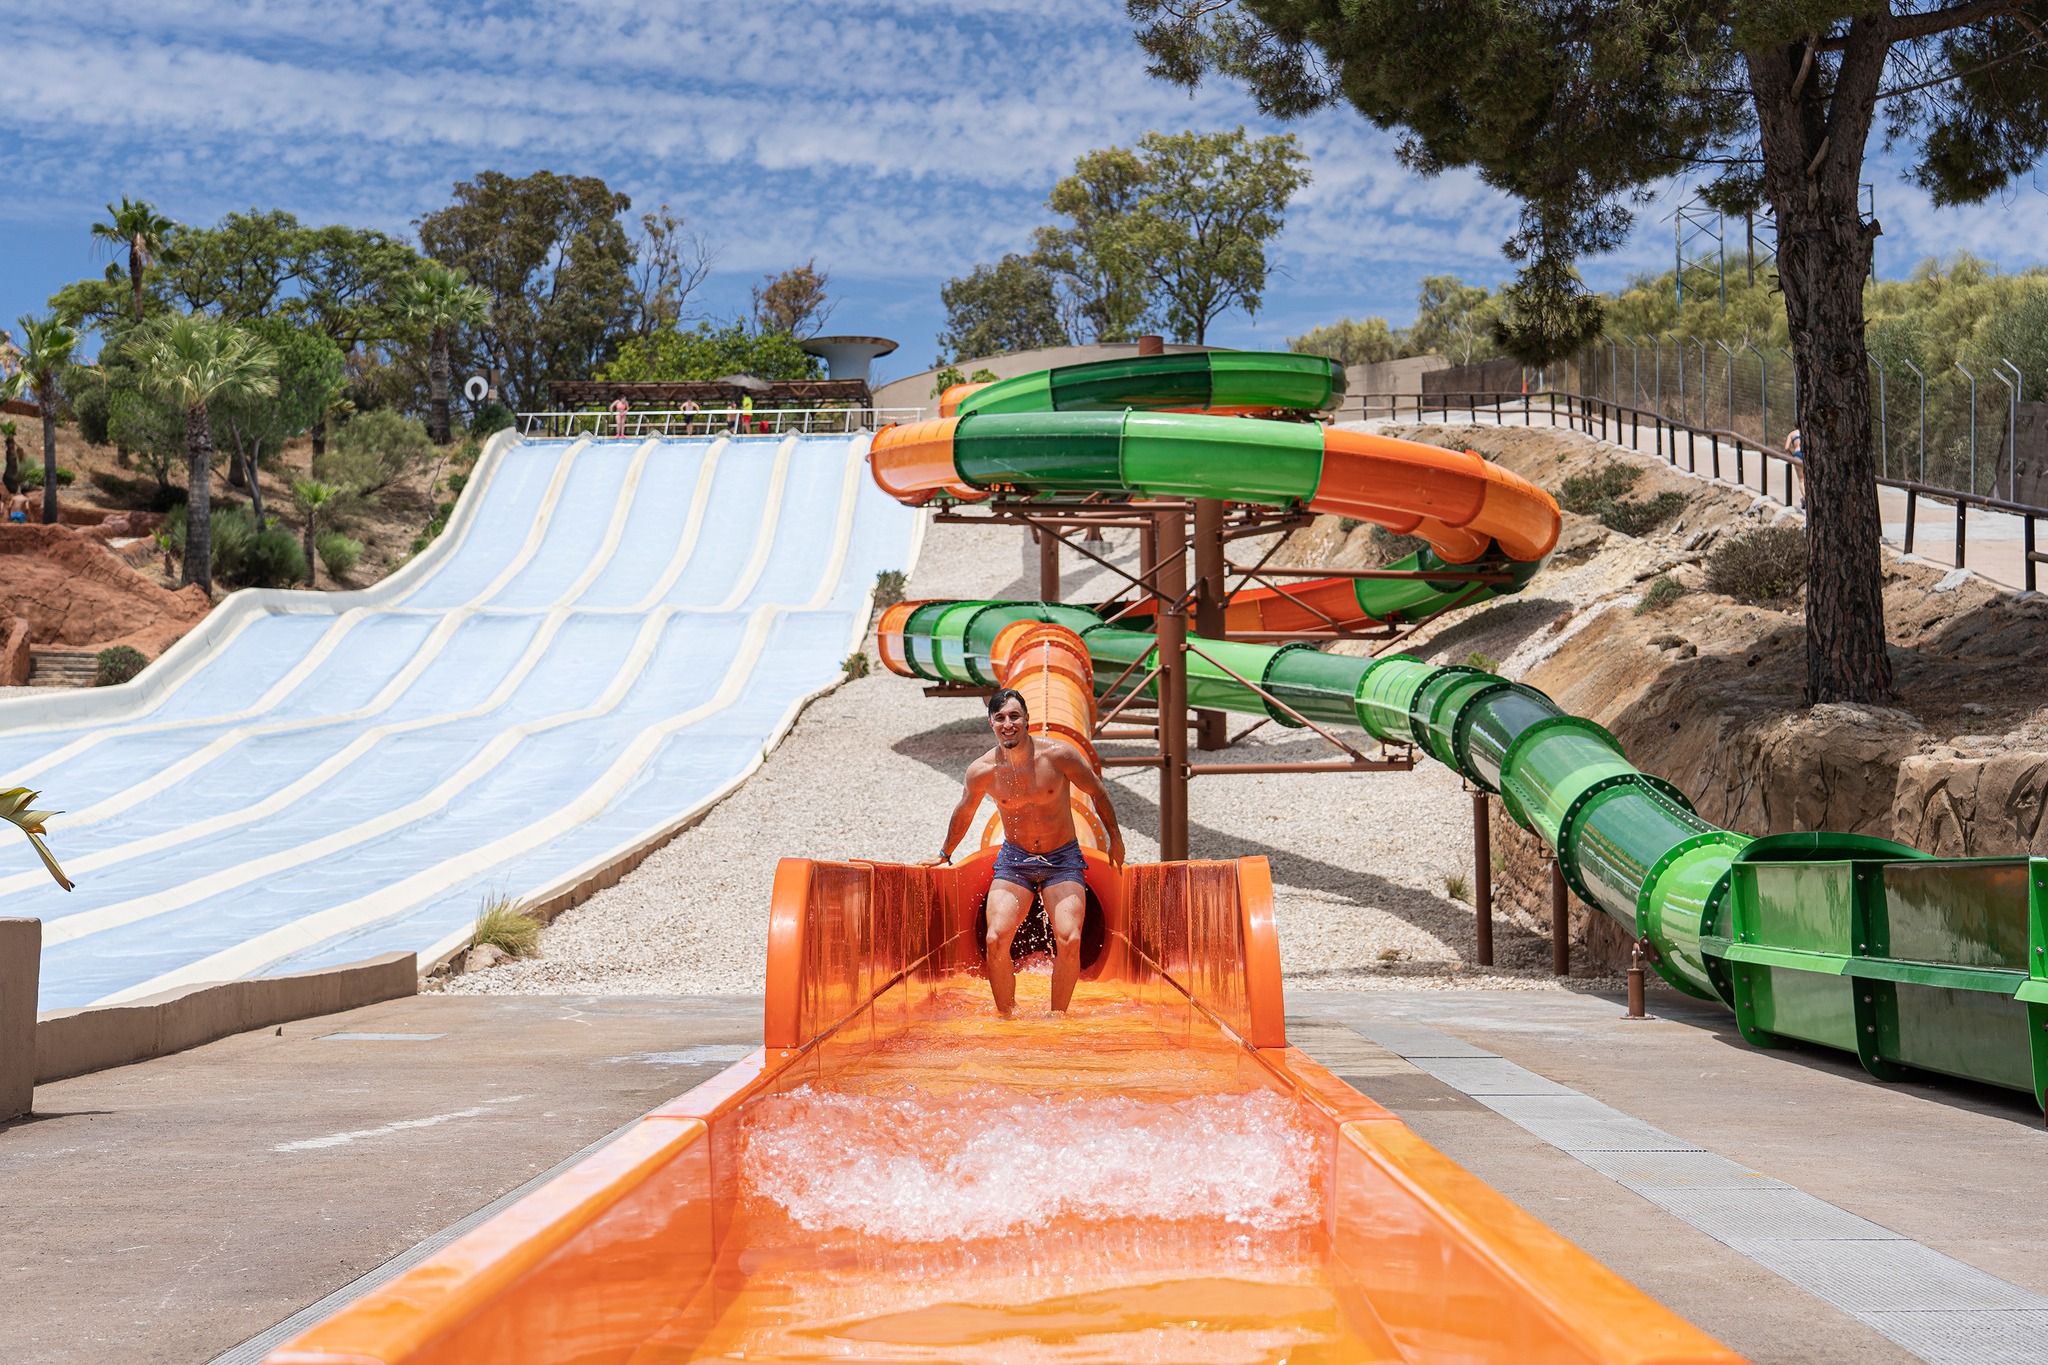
x=170, y=1210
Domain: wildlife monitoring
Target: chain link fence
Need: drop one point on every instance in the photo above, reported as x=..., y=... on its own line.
x=1972, y=428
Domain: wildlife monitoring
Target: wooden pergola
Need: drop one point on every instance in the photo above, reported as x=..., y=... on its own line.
x=571, y=394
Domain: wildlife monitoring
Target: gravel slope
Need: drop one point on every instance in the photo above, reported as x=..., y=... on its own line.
x=872, y=770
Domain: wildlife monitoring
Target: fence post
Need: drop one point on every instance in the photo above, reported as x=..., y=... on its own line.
x=1912, y=506
x=1714, y=451
x=2027, y=552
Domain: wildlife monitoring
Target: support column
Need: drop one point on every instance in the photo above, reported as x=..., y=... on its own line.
x=1560, y=922
x=1170, y=531
x=1482, y=879
x=1212, y=728
x=1048, y=564
x=21, y=959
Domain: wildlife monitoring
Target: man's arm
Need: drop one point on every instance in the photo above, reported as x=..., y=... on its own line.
x=979, y=774
x=1075, y=769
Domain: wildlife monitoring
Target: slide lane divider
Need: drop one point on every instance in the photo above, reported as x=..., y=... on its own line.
x=345, y=622
x=68, y=928
x=249, y=956
x=422, y=658
x=147, y=691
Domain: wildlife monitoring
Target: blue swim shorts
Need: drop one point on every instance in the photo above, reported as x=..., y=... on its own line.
x=1034, y=871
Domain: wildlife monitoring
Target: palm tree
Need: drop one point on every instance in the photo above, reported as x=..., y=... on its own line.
x=50, y=344
x=10, y=479
x=136, y=225
x=191, y=360
x=436, y=302
x=14, y=810
x=312, y=498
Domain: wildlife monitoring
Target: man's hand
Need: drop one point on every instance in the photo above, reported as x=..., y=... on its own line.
x=943, y=860
x=1116, y=850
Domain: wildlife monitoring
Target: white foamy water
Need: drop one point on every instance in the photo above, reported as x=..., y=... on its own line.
x=987, y=1161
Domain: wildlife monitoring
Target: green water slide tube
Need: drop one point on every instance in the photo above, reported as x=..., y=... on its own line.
x=1841, y=940
x=1212, y=381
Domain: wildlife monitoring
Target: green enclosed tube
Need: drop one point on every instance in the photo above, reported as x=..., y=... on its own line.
x=979, y=635
x=1174, y=454
x=1210, y=684
x=1435, y=709
x=1551, y=765
x=917, y=640
x=1185, y=380
x=949, y=641
x=1388, y=689
x=1321, y=687
x=1677, y=898
x=1122, y=659
x=1082, y=451
x=1493, y=719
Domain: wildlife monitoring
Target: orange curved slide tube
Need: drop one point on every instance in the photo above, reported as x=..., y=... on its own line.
x=1451, y=498
x=913, y=463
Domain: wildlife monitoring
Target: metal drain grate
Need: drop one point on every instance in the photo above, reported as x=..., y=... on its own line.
x=1874, y=1277
x=1969, y=1336
x=1647, y=1171
x=1578, y=1123
x=1781, y=1214
x=1493, y=1076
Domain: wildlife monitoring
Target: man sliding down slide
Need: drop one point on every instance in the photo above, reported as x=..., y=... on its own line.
x=1030, y=778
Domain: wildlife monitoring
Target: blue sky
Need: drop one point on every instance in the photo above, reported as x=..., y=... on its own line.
x=897, y=141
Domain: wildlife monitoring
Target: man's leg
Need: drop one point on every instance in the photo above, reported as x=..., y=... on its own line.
x=1066, y=905
x=1008, y=903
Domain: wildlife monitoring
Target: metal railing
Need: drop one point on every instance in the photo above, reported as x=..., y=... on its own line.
x=778, y=421
x=1628, y=426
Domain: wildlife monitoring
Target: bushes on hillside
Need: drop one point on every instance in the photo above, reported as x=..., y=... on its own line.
x=1662, y=592
x=32, y=476
x=338, y=553
x=136, y=494
x=373, y=450
x=1764, y=565
x=243, y=557
x=117, y=664
x=1602, y=495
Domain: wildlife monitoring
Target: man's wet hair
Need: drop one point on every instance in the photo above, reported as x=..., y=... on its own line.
x=1002, y=695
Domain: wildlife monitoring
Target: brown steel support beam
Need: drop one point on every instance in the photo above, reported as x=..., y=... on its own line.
x=1334, y=765
x=1048, y=563
x=1212, y=728
x=1482, y=879
x=1560, y=922
x=1170, y=582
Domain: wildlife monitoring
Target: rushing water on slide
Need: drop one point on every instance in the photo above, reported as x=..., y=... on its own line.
x=1114, y=1186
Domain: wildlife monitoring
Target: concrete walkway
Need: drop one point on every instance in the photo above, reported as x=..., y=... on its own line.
x=171, y=1210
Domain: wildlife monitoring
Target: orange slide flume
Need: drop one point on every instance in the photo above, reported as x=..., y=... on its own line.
x=899, y=1175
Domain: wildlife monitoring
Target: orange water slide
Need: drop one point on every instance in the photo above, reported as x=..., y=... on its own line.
x=898, y=1175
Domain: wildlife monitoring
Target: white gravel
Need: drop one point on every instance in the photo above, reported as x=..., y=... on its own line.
x=873, y=768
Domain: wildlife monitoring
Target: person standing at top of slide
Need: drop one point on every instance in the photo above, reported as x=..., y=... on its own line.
x=1031, y=779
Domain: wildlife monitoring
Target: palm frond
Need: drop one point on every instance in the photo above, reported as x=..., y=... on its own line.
x=14, y=809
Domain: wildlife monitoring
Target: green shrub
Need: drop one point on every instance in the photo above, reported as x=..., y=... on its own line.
x=1764, y=565
x=338, y=553
x=271, y=559
x=1640, y=516
x=1458, y=887
x=1484, y=662
x=457, y=482
x=233, y=527
x=504, y=924
x=1584, y=493
x=1662, y=592
x=855, y=665
x=434, y=527
x=373, y=450
x=494, y=417
x=1600, y=495
x=1349, y=524
x=32, y=476
x=117, y=665
x=889, y=585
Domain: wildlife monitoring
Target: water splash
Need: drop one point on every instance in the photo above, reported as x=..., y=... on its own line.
x=989, y=1160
